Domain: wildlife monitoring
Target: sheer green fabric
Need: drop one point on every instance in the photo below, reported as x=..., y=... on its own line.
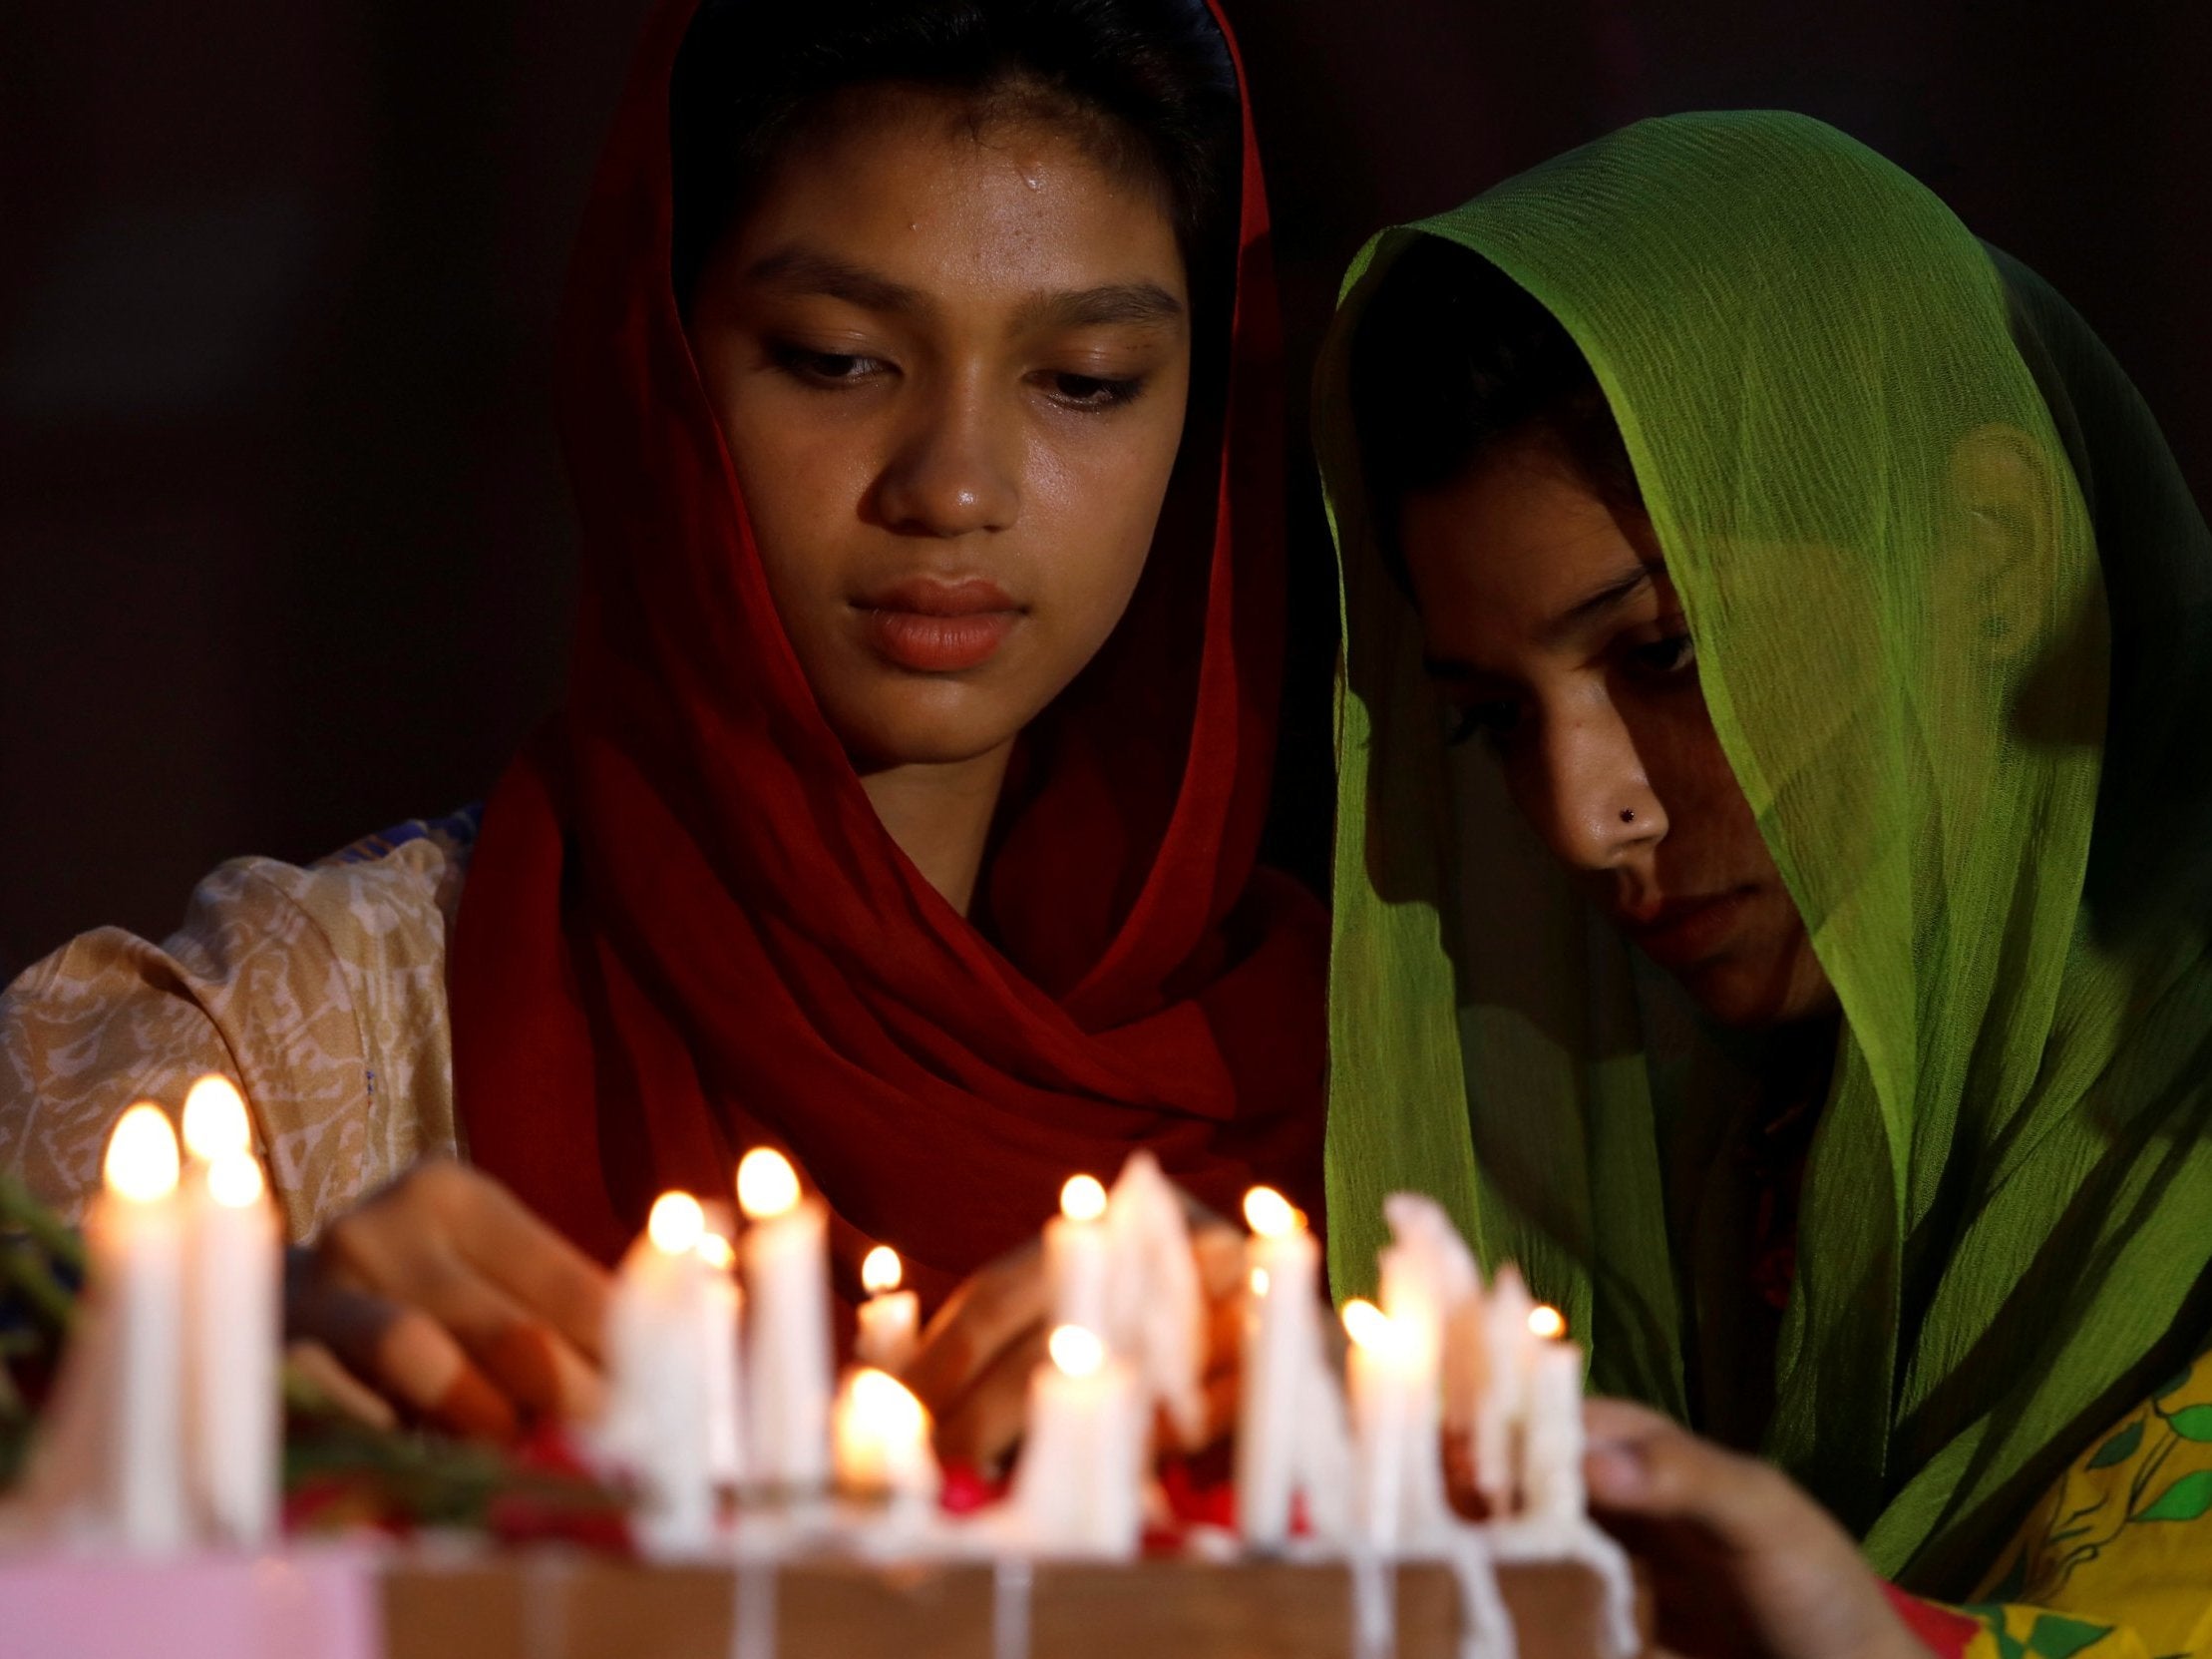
x=2007, y=1212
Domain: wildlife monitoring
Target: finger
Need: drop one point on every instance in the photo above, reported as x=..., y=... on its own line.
x=997, y=1309
x=1641, y=1463
x=346, y=1393
x=987, y=1420
x=516, y=1250
x=405, y=1354
x=530, y=1361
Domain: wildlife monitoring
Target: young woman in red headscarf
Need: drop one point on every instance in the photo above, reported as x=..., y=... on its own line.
x=917, y=377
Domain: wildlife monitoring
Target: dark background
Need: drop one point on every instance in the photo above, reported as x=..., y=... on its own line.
x=285, y=552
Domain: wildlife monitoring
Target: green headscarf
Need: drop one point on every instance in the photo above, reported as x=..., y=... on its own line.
x=2007, y=1213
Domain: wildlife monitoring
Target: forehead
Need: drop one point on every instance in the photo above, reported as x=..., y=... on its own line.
x=1499, y=555
x=915, y=185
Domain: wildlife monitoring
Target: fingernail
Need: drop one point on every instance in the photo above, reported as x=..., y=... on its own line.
x=1614, y=1472
x=473, y=1406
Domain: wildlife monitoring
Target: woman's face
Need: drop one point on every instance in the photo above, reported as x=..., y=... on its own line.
x=950, y=362
x=1550, y=625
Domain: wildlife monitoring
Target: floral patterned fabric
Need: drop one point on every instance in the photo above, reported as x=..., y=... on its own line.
x=321, y=991
x=2115, y=1562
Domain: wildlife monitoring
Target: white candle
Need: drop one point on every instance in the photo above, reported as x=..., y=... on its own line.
x=1552, y=1451
x=1382, y=1372
x=787, y=1325
x=233, y=1319
x=1078, y=1489
x=1281, y=1330
x=136, y=1239
x=1079, y=1258
x=889, y=1318
x=883, y=1444
x=657, y=1420
x=1502, y=1410
x=719, y=1331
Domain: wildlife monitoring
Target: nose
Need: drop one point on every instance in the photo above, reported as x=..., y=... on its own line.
x=1591, y=799
x=955, y=470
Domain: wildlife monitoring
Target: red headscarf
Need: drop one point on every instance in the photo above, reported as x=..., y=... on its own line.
x=685, y=932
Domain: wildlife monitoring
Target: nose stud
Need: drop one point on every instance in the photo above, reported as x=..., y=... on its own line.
x=1628, y=816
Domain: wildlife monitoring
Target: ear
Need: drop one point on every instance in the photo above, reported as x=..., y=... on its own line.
x=2007, y=517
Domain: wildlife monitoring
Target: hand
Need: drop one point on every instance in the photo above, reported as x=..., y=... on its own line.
x=446, y=1296
x=1742, y=1562
x=973, y=1364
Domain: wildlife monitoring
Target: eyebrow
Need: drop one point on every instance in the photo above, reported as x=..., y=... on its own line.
x=804, y=271
x=1599, y=600
x=1145, y=305
x=1587, y=608
x=807, y=270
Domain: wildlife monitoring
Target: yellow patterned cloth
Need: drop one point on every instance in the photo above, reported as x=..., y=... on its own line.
x=2115, y=1562
x=321, y=991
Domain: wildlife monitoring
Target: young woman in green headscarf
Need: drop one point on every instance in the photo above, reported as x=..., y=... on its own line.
x=1806, y=977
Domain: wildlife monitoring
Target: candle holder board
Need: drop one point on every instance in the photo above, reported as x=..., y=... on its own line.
x=557, y=1605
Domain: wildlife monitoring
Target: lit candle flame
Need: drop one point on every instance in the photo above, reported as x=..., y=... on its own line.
x=214, y=1120
x=1082, y=1200
x=1077, y=1352
x=715, y=1251
x=1260, y=1281
x=1269, y=1213
x=234, y=1180
x=880, y=1271
x=677, y=1224
x=1547, y=1322
x=767, y=1185
x=142, y=1158
x=1368, y=1325
x=888, y=1406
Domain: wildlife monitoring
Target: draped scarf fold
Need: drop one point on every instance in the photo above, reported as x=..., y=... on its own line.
x=685, y=932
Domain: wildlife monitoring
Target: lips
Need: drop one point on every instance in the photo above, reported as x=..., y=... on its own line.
x=1686, y=930
x=931, y=627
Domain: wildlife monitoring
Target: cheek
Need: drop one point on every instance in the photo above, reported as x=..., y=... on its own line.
x=1092, y=506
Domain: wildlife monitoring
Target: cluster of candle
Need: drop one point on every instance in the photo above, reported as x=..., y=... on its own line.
x=164, y=1428
x=693, y=1355
x=720, y=1368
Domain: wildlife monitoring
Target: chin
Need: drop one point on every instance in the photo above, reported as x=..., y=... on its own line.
x=1757, y=996
x=879, y=739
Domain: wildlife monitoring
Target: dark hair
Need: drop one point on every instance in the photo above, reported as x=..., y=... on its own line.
x=1453, y=361
x=1147, y=85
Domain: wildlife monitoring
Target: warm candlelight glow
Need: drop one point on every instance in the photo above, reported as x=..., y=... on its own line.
x=234, y=1180
x=767, y=1185
x=888, y=1408
x=1082, y=1200
x=1076, y=1350
x=1260, y=1281
x=715, y=1251
x=1547, y=1322
x=1368, y=1325
x=880, y=1271
x=677, y=1225
x=214, y=1120
x=141, y=1158
x=1269, y=1213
